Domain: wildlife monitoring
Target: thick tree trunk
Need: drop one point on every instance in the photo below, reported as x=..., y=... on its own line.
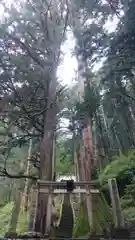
x=89, y=157
x=46, y=153
x=80, y=160
x=88, y=165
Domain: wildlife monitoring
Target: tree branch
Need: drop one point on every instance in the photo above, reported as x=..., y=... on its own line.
x=4, y=173
x=52, y=104
x=24, y=47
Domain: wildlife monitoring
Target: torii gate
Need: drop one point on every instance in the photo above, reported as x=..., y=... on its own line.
x=88, y=188
x=67, y=187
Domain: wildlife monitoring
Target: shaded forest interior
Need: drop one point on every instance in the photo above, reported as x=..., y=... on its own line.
x=48, y=129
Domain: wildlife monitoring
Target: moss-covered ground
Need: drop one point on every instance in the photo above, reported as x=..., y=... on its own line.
x=5, y=216
x=102, y=218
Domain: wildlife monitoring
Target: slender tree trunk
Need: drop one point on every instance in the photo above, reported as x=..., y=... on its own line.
x=46, y=157
x=26, y=189
x=116, y=139
x=75, y=158
x=16, y=207
x=132, y=120
x=15, y=214
x=13, y=190
x=53, y=158
x=100, y=143
x=76, y=166
x=116, y=206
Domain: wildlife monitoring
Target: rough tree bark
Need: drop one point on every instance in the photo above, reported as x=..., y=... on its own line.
x=46, y=152
x=89, y=156
x=80, y=157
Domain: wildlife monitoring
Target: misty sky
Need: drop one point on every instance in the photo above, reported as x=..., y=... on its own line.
x=66, y=70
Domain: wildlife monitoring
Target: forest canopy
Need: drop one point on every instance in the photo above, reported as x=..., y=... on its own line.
x=99, y=139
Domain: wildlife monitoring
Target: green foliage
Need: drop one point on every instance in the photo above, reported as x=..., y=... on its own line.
x=129, y=195
x=123, y=169
x=128, y=203
x=5, y=214
x=15, y=158
x=130, y=190
x=23, y=221
x=64, y=156
x=27, y=43
x=64, y=167
x=117, y=82
x=122, y=165
x=90, y=103
x=129, y=214
x=121, y=53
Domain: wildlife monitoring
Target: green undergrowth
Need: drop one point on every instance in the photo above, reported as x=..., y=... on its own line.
x=102, y=218
x=129, y=214
x=5, y=213
x=5, y=216
x=123, y=169
x=128, y=202
x=22, y=225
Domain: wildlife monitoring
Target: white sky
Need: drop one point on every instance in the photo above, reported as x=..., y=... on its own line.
x=67, y=68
